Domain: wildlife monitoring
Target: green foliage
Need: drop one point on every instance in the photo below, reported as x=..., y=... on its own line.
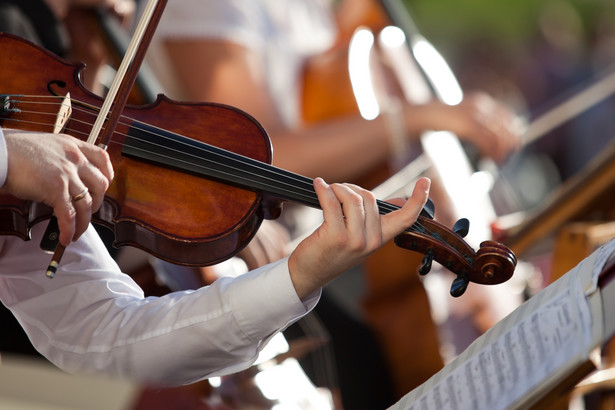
x=508, y=21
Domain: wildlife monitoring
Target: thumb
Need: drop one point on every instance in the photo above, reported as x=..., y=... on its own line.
x=397, y=221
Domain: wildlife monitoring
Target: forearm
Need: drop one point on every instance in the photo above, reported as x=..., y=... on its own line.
x=339, y=150
x=97, y=320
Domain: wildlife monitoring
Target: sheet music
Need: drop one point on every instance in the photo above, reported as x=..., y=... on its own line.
x=540, y=341
x=507, y=368
x=604, y=253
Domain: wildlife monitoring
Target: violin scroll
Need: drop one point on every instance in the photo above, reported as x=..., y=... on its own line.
x=492, y=264
x=495, y=260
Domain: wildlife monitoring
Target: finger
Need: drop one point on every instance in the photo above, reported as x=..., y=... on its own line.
x=60, y=200
x=99, y=158
x=505, y=137
x=83, y=213
x=352, y=207
x=373, y=227
x=65, y=214
x=330, y=205
x=96, y=172
x=506, y=129
x=274, y=239
x=397, y=221
x=96, y=182
x=370, y=216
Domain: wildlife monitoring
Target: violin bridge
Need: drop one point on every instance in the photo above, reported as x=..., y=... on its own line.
x=63, y=115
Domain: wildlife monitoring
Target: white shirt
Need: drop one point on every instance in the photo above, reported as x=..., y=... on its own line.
x=282, y=33
x=93, y=318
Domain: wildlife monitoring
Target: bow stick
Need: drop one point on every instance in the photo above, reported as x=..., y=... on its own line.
x=118, y=93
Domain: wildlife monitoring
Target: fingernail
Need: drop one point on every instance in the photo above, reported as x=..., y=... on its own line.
x=321, y=181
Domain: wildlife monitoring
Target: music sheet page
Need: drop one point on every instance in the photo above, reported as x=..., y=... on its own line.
x=538, y=343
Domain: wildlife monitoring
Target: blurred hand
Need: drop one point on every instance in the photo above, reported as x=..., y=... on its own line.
x=54, y=169
x=268, y=245
x=491, y=126
x=351, y=231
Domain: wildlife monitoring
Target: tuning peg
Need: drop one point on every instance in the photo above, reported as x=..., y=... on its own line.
x=429, y=210
x=426, y=263
x=459, y=286
x=462, y=227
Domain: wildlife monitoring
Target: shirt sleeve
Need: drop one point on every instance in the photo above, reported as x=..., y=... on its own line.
x=91, y=318
x=242, y=22
x=4, y=159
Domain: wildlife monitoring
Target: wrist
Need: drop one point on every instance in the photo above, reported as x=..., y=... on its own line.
x=428, y=116
x=303, y=283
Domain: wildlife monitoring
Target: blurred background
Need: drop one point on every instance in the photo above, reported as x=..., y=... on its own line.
x=533, y=55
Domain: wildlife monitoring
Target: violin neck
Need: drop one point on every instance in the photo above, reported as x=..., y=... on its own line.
x=198, y=158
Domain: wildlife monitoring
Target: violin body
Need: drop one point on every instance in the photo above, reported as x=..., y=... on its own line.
x=173, y=215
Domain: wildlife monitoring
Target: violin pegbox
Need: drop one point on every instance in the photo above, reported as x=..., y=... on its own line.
x=492, y=264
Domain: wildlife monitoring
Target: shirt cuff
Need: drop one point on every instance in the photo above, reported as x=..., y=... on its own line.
x=4, y=159
x=272, y=290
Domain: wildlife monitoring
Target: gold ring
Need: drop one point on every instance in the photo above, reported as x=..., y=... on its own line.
x=80, y=195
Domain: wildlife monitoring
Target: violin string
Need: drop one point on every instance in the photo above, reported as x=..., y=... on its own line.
x=309, y=192
x=194, y=155
x=162, y=136
x=302, y=183
x=306, y=183
x=384, y=207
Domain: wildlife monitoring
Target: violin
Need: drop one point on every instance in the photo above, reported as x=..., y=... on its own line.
x=193, y=181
